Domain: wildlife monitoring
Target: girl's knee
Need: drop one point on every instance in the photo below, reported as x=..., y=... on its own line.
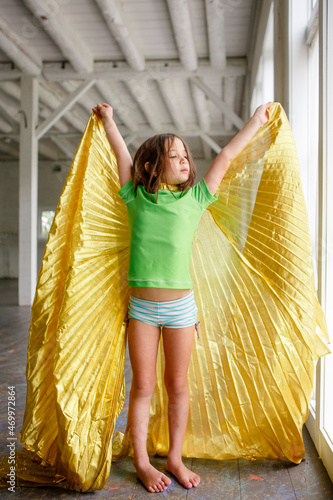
x=143, y=387
x=176, y=386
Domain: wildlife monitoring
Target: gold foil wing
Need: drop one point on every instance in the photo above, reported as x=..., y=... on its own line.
x=76, y=352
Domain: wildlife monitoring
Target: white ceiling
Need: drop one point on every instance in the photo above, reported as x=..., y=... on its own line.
x=164, y=65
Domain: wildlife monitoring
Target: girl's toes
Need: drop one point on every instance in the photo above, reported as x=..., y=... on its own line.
x=195, y=481
x=158, y=487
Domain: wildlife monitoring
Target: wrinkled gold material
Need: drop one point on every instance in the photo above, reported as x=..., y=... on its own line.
x=262, y=328
x=170, y=187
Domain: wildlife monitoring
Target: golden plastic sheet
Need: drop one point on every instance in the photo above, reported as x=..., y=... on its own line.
x=262, y=328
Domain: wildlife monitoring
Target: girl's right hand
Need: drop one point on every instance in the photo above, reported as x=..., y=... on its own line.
x=104, y=111
x=262, y=114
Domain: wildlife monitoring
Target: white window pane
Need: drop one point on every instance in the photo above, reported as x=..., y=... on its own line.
x=264, y=85
x=313, y=147
x=46, y=222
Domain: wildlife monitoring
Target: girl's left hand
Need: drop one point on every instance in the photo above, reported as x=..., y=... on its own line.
x=262, y=113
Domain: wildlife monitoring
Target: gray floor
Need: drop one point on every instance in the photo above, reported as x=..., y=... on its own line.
x=228, y=480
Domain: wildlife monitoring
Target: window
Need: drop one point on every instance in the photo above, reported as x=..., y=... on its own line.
x=326, y=251
x=311, y=80
x=263, y=90
x=312, y=171
x=46, y=219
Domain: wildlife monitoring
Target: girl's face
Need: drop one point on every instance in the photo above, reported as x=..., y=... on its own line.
x=177, y=165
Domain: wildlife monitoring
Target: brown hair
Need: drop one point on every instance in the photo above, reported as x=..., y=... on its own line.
x=154, y=151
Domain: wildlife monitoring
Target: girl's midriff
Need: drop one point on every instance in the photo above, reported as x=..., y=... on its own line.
x=158, y=294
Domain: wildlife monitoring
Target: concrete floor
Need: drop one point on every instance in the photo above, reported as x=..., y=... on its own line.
x=227, y=480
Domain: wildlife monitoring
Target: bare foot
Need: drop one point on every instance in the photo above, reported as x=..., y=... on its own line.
x=185, y=476
x=153, y=479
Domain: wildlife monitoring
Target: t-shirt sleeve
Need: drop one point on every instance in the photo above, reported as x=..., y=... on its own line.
x=201, y=194
x=127, y=191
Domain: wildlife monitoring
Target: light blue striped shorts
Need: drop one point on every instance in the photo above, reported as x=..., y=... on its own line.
x=171, y=314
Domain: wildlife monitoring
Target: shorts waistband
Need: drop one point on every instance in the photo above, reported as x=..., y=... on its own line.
x=178, y=301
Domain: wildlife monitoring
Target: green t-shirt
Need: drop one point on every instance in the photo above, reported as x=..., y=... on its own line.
x=161, y=233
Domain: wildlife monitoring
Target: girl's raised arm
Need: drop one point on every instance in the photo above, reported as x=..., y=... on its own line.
x=221, y=163
x=118, y=144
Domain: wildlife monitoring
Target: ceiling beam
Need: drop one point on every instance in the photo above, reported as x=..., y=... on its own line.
x=11, y=120
x=236, y=120
x=86, y=102
x=44, y=149
x=206, y=149
x=121, y=109
x=170, y=98
x=65, y=145
x=8, y=73
x=62, y=33
x=18, y=50
x=182, y=28
x=215, y=147
x=115, y=22
x=55, y=72
x=63, y=108
x=143, y=131
x=229, y=96
x=156, y=70
x=9, y=108
x=201, y=107
x=10, y=147
x=13, y=90
x=216, y=33
x=54, y=95
x=129, y=139
x=5, y=127
x=140, y=94
x=47, y=150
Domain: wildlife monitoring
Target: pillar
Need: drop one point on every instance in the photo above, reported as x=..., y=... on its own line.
x=281, y=53
x=28, y=191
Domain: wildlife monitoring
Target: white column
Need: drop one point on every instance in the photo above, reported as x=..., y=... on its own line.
x=28, y=184
x=298, y=83
x=281, y=52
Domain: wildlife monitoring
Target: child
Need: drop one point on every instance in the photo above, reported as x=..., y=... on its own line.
x=164, y=208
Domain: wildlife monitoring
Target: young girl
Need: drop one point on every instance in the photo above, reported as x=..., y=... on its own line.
x=164, y=208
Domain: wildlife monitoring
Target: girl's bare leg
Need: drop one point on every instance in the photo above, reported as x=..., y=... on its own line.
x=178, y=344
x=143, y=345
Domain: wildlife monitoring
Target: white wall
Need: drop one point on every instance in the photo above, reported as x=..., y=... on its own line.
x=8, y=220
x=49, y=190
